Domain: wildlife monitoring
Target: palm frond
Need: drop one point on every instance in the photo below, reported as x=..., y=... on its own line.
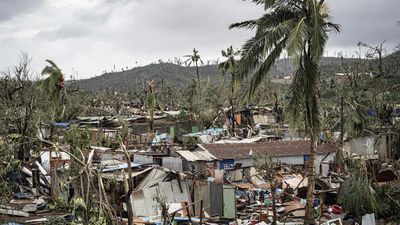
x=310, y=93
x=319, y=35
x=297, y=38
x=52, y=63
x=265, y=66
x=296, y=101
x=249, y=24
x=329, y=26
x=254, y=50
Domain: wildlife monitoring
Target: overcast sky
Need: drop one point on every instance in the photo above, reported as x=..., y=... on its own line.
x=90, y=36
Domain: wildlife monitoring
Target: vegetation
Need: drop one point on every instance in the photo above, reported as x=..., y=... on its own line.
x=357, y=195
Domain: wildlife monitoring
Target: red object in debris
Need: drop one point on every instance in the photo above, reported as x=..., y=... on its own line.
x=336, y=209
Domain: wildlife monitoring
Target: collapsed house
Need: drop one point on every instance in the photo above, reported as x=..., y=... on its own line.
x=171, y=186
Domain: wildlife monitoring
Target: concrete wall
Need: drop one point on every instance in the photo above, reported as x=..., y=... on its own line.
x=142, y=159
x=382, y=145
x=360, y=146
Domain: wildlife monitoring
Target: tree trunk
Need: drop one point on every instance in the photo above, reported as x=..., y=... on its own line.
x=309, y=217
x=198, y=78
x=233, y=117
x=274, y=216
x=128, y=192
x=341, y=121
x=151, y=121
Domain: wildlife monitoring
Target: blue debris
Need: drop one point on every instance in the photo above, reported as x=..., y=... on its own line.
x=371, y=112
x=211, y=131
x=62, y=125
x=21, y=195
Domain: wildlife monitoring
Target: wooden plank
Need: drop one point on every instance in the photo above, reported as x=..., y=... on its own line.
x=13, y=212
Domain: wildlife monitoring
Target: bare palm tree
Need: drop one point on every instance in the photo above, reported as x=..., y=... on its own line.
x=195, y=59
x=301, y=28
x=230, y=66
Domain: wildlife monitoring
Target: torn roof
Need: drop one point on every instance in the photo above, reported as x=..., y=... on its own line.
x=192, y=156
x=276, y=148
x=159, y=174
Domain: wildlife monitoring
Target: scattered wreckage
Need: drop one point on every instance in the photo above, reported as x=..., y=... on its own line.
x=212, y=180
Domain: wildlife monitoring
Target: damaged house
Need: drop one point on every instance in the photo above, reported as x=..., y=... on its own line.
x=218, y=158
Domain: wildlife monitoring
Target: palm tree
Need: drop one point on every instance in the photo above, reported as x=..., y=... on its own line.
x=301, y=28
x=53, y=88
x=231, y=66
x=195, y=59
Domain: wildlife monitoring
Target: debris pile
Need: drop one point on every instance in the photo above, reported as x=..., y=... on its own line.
x=111, y=170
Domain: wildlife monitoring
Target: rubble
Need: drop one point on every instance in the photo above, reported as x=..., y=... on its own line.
x=206, y=177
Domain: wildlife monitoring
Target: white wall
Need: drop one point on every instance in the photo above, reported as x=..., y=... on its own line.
x=295, y=160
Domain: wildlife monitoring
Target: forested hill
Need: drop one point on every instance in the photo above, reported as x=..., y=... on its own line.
x=178, y=76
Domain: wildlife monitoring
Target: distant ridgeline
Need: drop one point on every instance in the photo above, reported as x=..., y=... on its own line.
x=180, y=76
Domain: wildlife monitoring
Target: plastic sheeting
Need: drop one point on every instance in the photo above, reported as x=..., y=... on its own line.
x=368, y=219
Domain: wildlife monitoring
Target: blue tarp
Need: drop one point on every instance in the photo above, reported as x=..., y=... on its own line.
x=226, y=164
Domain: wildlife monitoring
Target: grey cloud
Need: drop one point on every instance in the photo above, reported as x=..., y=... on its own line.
x=369, y=21
x=83, y=23
x=65, y=32
x=121, y=32
x=12, y=8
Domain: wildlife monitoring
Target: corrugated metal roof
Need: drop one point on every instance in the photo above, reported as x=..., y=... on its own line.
x=193, y=156
x=276, y=148
x=121, y=166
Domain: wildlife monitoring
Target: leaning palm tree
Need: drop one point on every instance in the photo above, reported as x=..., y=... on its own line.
x=301, y=28
x=195, y=59
x=230, y=66
x=53, y=88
